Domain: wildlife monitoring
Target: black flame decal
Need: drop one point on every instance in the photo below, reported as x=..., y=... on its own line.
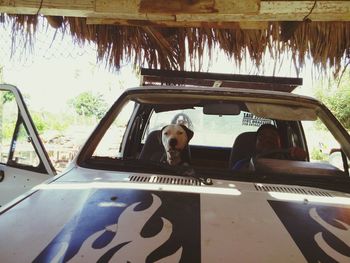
x=320, y=231
x=149, y=227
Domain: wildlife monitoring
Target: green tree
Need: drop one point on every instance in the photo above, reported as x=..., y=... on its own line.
x=8, y=96
x=88, y=104
x=49, y=121
x=335, y=94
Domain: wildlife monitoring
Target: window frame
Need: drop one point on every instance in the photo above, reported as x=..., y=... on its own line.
x=24, y=118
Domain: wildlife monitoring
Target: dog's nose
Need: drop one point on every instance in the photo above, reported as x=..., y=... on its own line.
x=172, y=142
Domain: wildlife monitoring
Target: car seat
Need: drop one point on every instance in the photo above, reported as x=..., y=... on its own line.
x=243, y=147
x=153, y=149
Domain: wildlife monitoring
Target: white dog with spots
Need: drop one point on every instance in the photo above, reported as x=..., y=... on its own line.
x=175, y=138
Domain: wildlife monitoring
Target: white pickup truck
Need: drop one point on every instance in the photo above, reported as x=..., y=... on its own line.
x=118, y=201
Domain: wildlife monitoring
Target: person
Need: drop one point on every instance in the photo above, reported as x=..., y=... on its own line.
x=268, y=140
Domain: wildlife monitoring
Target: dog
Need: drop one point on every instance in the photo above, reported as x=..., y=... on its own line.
x=175, y=138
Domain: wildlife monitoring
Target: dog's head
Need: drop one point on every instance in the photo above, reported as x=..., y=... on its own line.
x=175, y=138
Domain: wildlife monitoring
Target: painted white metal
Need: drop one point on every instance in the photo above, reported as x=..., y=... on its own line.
x=17, y=181
x=245, y=228
x=239, y=227
x=31, y=130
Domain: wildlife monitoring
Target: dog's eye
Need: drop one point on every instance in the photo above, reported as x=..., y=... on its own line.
x=179, y=132
x=166, y=133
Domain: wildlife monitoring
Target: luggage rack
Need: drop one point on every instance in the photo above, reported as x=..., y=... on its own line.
x=170, y=77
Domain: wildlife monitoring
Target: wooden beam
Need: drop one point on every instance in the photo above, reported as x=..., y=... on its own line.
x=283, y=11
x=222, y=11
x=297, y=10
x=248, y=7
x=166, y=23
x=179, y=6
x=161, y=23
x=78, y=8
x=253, y=24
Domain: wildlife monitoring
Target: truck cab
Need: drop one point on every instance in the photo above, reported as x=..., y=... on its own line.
x=120, y=200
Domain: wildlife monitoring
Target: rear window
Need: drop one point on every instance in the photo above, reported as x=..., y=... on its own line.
x=209, y=130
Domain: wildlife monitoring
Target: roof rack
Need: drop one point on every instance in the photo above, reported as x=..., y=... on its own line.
x=171, y=77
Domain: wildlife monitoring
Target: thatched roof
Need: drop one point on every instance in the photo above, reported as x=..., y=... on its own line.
x=169, y=47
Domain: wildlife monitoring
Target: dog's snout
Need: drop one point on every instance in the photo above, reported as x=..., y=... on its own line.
x=172, y=142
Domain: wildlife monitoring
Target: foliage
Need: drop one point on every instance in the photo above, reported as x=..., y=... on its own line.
x=317, y=154
x=39, y=122
x=7, y=131
x=88, y=104
x=8, y=96
x=336, y=95
x=44, y=121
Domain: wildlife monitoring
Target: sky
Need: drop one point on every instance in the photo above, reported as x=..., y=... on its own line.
x=55, y=71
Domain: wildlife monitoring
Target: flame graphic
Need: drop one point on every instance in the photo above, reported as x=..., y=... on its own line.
x=343, y=235
x=127, y=245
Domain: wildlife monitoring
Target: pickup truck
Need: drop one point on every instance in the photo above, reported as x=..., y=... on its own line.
x=120, y=200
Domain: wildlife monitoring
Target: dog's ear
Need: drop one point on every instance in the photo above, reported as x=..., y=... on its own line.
x=160, y=134
x=188, y=132
x=163, y=128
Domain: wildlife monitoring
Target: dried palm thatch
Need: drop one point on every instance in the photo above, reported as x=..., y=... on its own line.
x=326, y=43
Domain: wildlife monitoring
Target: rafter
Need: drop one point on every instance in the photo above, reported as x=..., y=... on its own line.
x=184, y=11
x=157, y=23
